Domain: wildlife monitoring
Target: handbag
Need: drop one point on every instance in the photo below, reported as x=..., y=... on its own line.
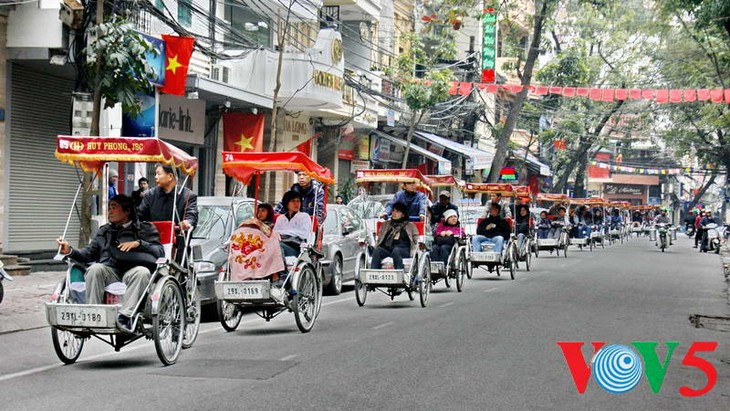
x=127, y=260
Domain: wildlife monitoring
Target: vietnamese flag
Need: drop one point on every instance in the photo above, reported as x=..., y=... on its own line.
x=178, y=51
x=243, y=132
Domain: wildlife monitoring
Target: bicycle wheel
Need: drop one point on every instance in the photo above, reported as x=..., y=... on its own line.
x=512, y=256
x=192, y=321
x=307, y=299
x=361, y=293
x=168, y=325
x=528, y=260
x=67, y=345
x=461, y=270
x=229, y=315
x=424, y=285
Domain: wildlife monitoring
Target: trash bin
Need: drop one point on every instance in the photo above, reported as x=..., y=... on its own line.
x=652, y=234
x=113, y=293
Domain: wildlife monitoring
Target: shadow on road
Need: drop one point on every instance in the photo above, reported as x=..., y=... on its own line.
x=115, y=364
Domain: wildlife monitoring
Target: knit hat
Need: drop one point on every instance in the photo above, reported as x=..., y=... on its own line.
x=449, y=213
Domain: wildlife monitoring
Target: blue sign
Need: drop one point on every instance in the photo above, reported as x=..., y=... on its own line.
x=142, y=125
x=157, y=62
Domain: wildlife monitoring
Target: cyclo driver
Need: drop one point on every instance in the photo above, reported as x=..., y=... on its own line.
x=124, y=249
x=415, y=202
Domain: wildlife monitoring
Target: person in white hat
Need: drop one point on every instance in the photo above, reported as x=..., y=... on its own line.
x=438, y=209
x=445, y=235
x=113, y=178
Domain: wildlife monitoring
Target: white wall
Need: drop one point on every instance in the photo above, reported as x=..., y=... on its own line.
x=35, y=25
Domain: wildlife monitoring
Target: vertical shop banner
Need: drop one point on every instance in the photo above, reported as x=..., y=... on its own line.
x=178, y=51
x=243, y=132
x=156, y=59
x=181, y=119
x=143, y=124
x=489, y=45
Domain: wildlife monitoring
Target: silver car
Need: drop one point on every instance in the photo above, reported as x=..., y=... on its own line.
x=215, y=226
x=344, y=236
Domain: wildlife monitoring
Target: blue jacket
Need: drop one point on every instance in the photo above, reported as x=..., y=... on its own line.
x=415, y=201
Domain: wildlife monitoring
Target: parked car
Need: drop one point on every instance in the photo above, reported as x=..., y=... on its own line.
x=215, y=226
x=344, y=232
x=369, y=208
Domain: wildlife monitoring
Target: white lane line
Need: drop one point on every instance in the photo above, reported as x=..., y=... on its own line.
x=288, y=357
x=36, y=370
x=377, y=327
x=446, y=304
x=489, y=290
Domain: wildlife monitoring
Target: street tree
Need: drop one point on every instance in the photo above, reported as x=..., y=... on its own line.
x=117, y=72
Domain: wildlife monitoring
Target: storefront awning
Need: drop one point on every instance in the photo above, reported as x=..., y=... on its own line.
x=533, y=163
x=444, y=165
x=218, y=92
x=480, y=159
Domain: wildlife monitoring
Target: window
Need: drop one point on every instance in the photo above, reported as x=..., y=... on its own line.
x=185, y=12
x=246, y=26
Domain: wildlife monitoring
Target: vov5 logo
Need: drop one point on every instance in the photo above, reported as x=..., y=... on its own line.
x=618, y=368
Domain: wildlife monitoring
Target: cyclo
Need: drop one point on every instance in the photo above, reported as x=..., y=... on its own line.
x=168, y=311
x=456, y=268
x=583, y=239
x=523, y=194
x=507, y=258
x=556, y=238
x=617, y=226
x=416, y=272
x=300, y=291
x=598, y=225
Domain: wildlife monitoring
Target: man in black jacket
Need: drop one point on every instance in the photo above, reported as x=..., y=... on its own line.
x=438, y=209
x=157, y=204
x=312, y=194
x=122, y=250
x=491, y=230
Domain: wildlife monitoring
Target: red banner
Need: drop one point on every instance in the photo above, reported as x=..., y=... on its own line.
x=243, y=132
x=178, y=51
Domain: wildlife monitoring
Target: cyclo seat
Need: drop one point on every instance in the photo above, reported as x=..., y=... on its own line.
x=168, y=239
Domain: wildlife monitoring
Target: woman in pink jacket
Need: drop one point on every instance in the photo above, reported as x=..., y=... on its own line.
x=444, y=238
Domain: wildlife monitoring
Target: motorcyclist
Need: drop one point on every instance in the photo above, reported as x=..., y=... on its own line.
x=663, y=219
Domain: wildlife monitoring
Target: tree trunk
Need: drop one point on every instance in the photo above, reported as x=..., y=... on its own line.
x=579, y=190
x=409, y=136
x=500, y=156
x=703, y=190
x=586, y=142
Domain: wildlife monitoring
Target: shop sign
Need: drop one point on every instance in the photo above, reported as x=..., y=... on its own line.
x=346, y=154
x=363, y=147
x=623, y=189
x=181, y=119
x=359, y=165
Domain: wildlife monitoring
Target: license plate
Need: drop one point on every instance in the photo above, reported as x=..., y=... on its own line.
x=81, y=316
x=247, y=291
x=381, y=278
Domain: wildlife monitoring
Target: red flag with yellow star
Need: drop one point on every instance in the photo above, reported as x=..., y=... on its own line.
x=243, y=132
x=178, y=51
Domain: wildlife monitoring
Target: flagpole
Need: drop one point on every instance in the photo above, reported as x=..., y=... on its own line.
x=157, y=113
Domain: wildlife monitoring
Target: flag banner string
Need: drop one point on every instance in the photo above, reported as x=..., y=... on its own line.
x=656, y=171
x=716, y=95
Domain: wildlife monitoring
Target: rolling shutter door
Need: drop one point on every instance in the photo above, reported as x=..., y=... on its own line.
x=41, y=188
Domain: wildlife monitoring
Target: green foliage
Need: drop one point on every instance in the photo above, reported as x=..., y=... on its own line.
x=117, y=54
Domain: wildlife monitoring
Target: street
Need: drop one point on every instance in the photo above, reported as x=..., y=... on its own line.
x=491, y=347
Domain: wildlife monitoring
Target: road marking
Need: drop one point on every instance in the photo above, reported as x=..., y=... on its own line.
x=341, y=300
x=446, y=304
x=489, y=290
x=288, y=357
x=377, y=327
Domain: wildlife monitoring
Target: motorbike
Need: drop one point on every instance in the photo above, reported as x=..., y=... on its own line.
x=662, y=236
x=713, y=238
x=3, y=276
x=690, y=231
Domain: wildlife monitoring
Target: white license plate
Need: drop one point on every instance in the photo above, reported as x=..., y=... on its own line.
x=381, y=278
x=247, y=291
x=81, y=316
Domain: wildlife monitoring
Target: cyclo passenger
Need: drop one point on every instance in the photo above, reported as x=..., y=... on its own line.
x=294, y=226
x=523, y=224
x=124, y=249
x=310, y=193
x=559, y=222
x=397, y=239
x=445, y=235
x=416, y=202
x=581, y=228
x=616, y=220
x=543, y=226
x=491, y=230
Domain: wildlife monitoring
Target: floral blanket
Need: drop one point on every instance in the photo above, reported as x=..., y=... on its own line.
x=254, y=255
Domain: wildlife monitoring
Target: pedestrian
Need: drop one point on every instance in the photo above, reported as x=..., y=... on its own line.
x=698, y=229
x=113, y=178
x=143, y=186
x=123, y=250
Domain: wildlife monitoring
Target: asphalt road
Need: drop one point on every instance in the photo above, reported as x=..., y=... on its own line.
x=491, y=347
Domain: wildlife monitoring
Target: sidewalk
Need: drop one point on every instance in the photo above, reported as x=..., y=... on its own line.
x=23, y=305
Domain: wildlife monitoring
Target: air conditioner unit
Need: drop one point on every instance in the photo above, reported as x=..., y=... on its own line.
x=220, y=73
